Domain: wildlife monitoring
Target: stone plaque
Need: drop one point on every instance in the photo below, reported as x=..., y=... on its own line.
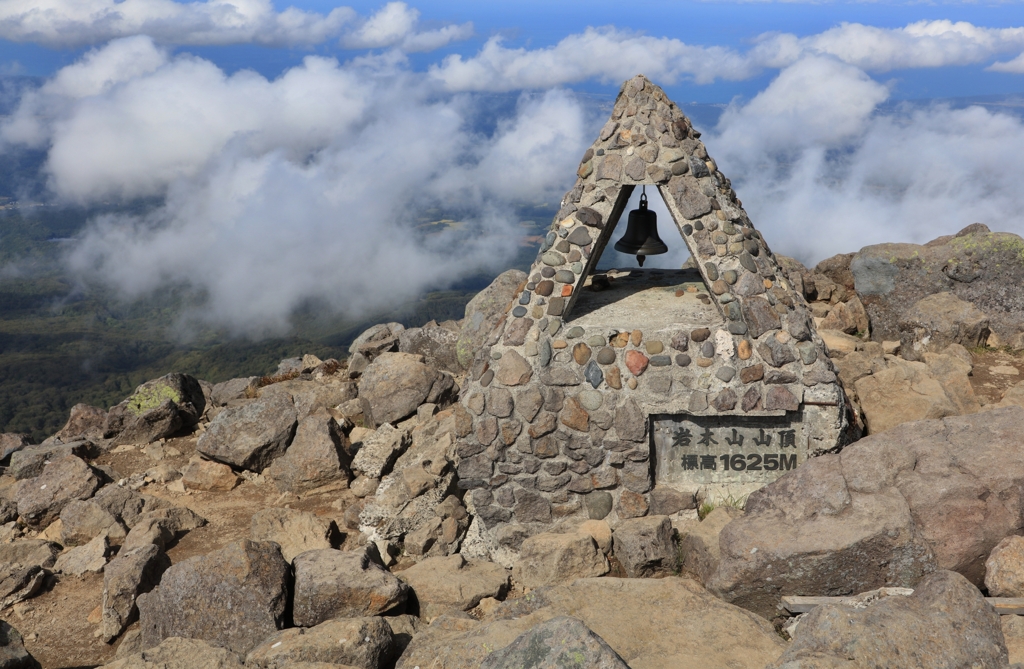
x=726, y=449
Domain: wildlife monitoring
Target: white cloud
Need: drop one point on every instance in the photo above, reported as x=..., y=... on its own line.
x=611, y=55
x=821, y=171
x=1014, y=66
x=605, y=54
x=396, y=25
x=64, y=23
x=75, y=23
x=307, y=186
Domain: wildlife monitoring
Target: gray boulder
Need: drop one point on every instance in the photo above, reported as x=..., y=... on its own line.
x=313, y=396
x=29, y=461
x=484, y=312
x=18, y=583
x=318, y=455
x=976, y=265
x=130, y=574
x=559, y=643
x=41, y=499
x=396, y=384
x=84, y=520
x=645, y=547
x=251, y=436
x=178, y=653
x=12, y=650
x=936, y=321
x=377, y=339
x=350, y=584
x=293, y=530
x=234, y=389
x=157, y=409
x=90, y=558
x=233, y=597
x=161, y=527
x=436, y=344
x=30, y=553
x=11, y=442
x=886, y=511
x=352, y=642
x=945, y=624
x=84, y=423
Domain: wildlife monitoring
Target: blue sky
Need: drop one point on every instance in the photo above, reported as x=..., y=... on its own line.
x=308, y=140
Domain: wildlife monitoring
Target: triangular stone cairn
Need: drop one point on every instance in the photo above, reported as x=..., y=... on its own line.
x=599, y=383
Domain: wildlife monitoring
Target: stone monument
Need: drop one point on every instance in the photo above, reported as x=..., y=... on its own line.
x=595, y=382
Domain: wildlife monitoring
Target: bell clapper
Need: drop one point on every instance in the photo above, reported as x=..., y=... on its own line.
x=640, y=259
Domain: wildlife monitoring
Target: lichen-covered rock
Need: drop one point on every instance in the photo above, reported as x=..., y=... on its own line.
x=253, y=435
x=944, y=624
x=350, y=584
x=233, y=597
x=156, y=409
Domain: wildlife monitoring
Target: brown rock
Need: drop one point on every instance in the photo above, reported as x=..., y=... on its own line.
x=620, y=340
x=513, y=369
x=1004, y=569
x=780, y=397
x=613, y=377
x=636, y=337
x=744, y=349
x=208, y=476
x=581, y=353
x=343, y=584
x=636, y=362
x=233, y=597
x=550, y=559
x=631, y=505
x=574, y=415
x=698, y=542
x=687, y=628
x=944, y=623
x=442, y=583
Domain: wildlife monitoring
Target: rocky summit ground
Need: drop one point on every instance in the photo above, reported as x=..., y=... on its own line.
x=315, y=517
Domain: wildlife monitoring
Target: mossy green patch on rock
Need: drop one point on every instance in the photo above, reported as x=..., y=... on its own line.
x=152, y=397
x=995, y=242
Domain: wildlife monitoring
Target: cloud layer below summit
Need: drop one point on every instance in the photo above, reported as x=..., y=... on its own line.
x=310, y=185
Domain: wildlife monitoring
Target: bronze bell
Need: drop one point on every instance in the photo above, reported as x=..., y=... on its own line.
x=641, y=236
